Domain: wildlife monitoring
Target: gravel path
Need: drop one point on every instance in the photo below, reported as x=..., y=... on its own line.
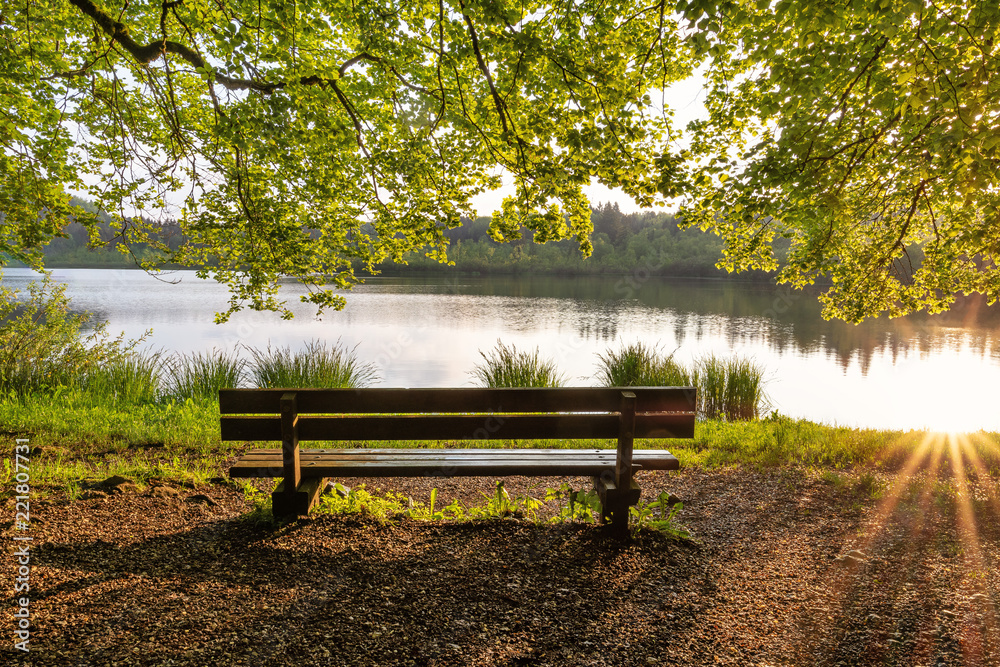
x=789, y=567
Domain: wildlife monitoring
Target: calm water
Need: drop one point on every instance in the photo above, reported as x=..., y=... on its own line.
x=938, y=372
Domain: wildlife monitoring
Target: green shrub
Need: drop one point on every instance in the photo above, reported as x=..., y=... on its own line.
x=317, y=366
x=508, y=367
x=42, y=346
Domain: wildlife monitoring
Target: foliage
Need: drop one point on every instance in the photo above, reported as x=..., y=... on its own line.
x=644, y=515
x=42, y=342
x=864, y=132
x=394, y=505
x=580, y=506
x=292, y=137
x=507, y=367
x=316, y=366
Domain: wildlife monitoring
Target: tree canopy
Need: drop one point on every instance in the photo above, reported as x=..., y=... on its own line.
x=299, y=137
x=865, y=131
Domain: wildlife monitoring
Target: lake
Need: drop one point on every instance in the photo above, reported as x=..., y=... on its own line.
x=936, y=372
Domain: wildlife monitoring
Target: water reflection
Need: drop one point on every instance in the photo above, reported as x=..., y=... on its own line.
x=429, y=331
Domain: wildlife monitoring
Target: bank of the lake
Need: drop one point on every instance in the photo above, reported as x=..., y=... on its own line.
x=429, y=331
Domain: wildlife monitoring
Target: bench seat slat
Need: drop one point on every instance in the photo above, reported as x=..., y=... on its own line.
x=439, y=453
x=455, y=400
x=474, y=463
x=459, y=427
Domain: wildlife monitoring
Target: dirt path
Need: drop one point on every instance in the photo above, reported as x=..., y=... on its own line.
x=789, y=568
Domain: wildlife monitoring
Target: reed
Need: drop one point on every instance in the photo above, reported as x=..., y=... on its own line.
x=317, y=366
x=731, y=389
x=508, y=367
x=640, y=365
x=200, y=376
x=133, y=378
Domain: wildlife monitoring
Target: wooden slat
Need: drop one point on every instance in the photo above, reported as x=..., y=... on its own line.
x=651, y=459
x=459, y=427
x=434, y=452
x=417, y=462
x=468, y=468
x=474, y=400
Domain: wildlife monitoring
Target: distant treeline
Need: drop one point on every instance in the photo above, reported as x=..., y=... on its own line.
x=105, y=250
x=623, y=243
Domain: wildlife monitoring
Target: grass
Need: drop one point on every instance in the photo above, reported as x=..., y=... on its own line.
x=201, y=376
x=82, y=437
x=133, y=378
x=639, y=365
x=317, y=366
x=731, y=389
x=508, y=367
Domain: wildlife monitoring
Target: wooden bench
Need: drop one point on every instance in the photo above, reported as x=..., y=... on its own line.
x=585, y=413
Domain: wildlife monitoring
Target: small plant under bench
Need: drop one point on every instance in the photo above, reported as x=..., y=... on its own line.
x=573, y=413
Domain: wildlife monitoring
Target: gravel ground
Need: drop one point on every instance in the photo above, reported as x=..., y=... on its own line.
x=788, y=567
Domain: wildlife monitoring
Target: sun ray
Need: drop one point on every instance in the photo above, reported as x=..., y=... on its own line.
x=960, y=448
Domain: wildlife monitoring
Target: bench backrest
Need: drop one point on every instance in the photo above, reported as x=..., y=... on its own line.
x=456, y=414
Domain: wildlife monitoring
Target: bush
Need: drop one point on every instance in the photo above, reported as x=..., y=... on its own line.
x=42, y=345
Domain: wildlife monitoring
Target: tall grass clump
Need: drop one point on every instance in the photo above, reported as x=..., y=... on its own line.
x=127, y=378
x=640, y=365
x=43, y=345
x=200, y=376
x=508, y=367
x=317, y=366
x=730, y=388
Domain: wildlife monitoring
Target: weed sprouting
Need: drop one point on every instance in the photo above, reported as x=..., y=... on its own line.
x=660, y=515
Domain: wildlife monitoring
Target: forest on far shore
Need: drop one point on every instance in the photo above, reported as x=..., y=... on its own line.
x=623, y=243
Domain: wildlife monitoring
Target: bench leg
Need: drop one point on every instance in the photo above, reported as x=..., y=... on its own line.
x=285, y=504
x=615, y=503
